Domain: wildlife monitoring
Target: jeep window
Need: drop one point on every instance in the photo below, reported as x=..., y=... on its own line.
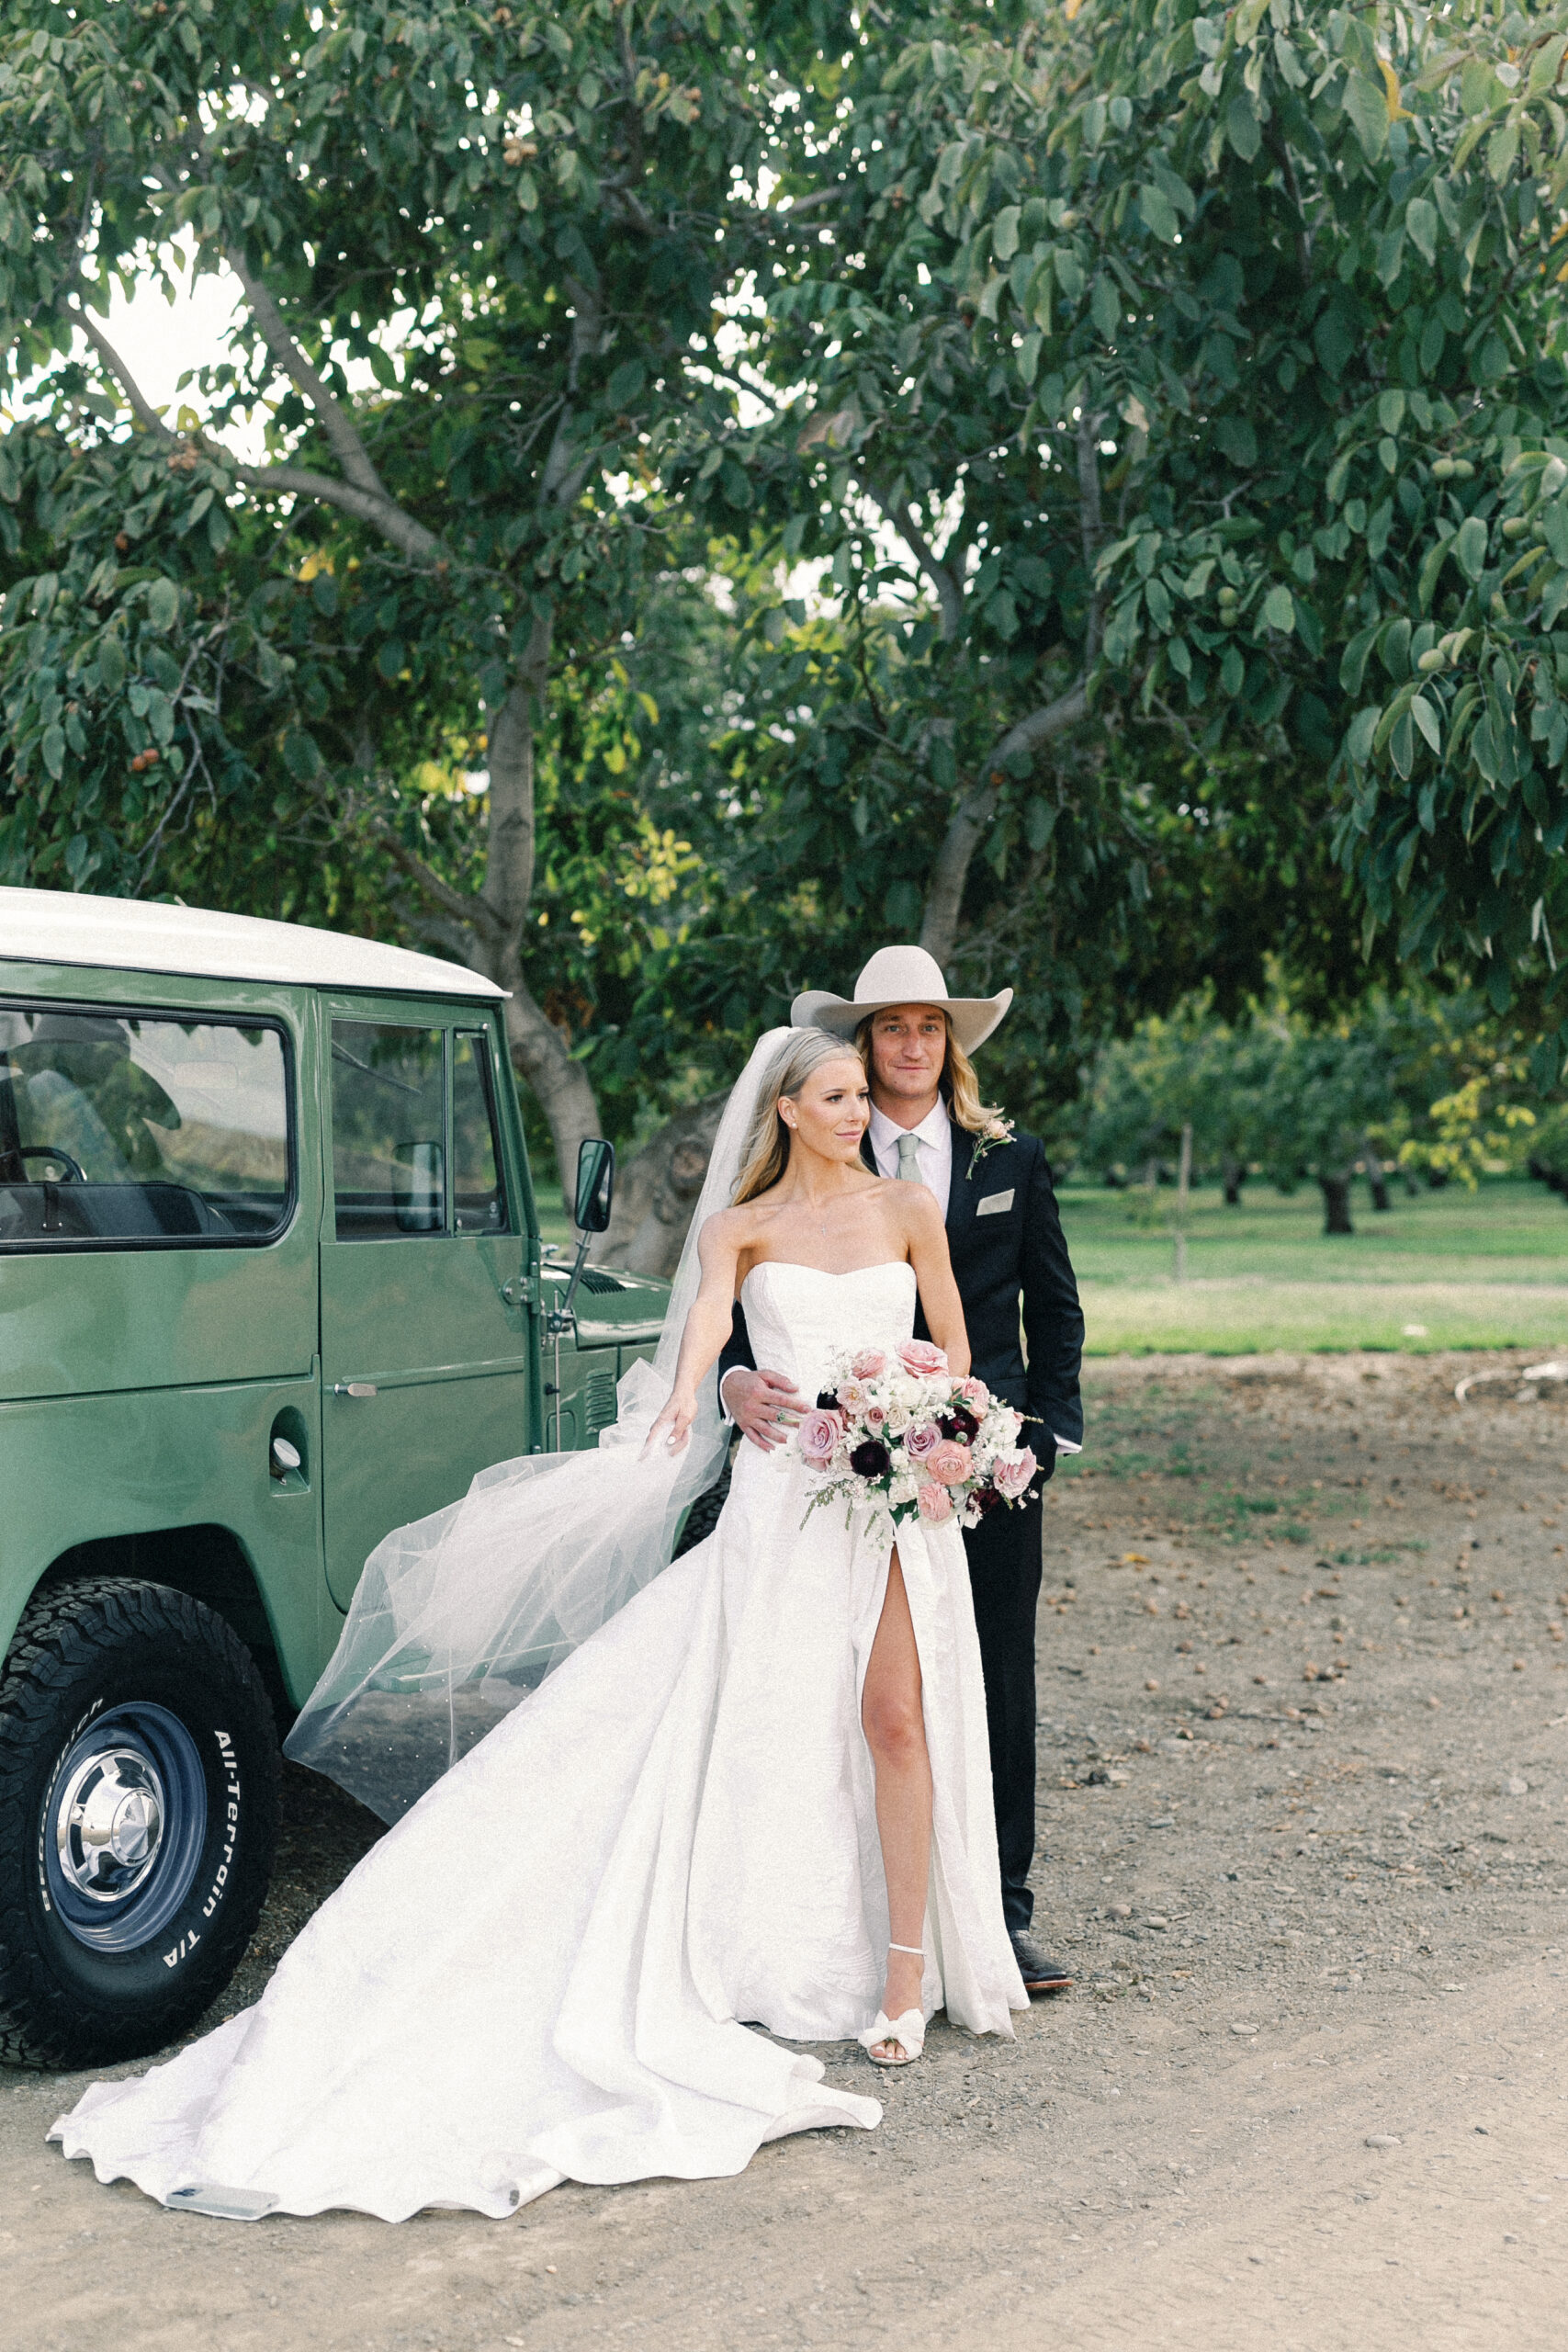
x=478, y=1200
x=389, y=1131
x=129, y=1130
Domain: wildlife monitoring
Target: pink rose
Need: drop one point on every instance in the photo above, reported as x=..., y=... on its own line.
x=935, y=1502
x=975, y=1392
x=876, y=1418
x=923, y=1442
x=1011, y=1473
x=950, y=1461
x=852, y=1396
x=819, y=1435
x=870, y=1365
x=919, y=1357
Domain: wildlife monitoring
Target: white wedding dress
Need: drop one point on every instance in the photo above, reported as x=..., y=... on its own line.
x=546, y=1970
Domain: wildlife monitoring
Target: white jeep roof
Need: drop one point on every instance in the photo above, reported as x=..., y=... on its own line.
x=127, y=934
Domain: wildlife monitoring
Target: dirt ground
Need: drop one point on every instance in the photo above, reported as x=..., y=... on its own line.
x=1303, y=1812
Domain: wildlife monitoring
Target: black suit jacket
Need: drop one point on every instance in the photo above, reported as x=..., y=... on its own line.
x=1011, y=1262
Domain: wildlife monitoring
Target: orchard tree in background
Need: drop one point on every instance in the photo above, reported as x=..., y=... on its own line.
x=1176, y=369
x=519, y=221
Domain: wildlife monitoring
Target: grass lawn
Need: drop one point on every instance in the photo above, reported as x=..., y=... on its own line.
x=1471, y=1269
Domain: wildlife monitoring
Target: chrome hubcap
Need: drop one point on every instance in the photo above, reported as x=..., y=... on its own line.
x=109, y=1824
x=124, y=1826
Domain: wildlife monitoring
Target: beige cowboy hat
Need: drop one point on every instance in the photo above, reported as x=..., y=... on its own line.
x=900, y=976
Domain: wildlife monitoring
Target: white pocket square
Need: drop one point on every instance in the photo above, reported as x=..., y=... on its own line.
x=995, y=1205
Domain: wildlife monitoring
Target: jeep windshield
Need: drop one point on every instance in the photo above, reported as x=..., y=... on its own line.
x=141, y=1131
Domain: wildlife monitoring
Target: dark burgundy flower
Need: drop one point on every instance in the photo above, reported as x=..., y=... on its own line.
x=828, y=1400
x=985, y=1500
x=870, y=1460
x=960, y=1424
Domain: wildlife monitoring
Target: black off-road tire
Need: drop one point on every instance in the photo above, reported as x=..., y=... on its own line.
x=86, y=1657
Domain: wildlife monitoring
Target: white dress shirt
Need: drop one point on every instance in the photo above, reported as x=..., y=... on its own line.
x=934, y=1135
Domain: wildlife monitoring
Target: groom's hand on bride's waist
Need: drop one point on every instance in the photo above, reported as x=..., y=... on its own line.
x=764, y=1406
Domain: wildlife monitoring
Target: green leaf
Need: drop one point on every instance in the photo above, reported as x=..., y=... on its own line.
x=1426, y=719
x=1502, y=151
x=1004, y=233
x=1469, y=547
x=1159, y=214
x=1279, y=609
x=1069, y=273
x=1237, y=440
x=1353, y=661
x=1362, y=729
x=1431, y=565
x=54, y=747
x=111, y=663
x=1421, y=226
x=1391, y=411
x=163, y=603
x=1366, y=102
x=391, y=659
x=301, y=756
x=1546, y=65
x=1105, y=307
x=1242, y=128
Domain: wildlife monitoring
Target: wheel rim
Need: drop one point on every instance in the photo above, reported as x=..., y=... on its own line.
x=124, y=1826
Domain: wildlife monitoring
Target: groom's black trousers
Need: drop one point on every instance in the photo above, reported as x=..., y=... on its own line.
x=1005, y=1569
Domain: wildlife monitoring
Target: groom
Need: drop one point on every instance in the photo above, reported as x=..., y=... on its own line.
x=1010, y=1261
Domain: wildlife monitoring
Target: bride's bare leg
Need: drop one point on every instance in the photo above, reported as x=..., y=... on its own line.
x=896, y=1733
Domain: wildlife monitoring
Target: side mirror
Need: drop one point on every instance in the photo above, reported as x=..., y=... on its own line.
x=596, y=1184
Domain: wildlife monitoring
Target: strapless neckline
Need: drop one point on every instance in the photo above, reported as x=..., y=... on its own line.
x=796, y=1265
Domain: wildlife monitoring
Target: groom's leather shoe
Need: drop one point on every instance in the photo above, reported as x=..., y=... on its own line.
x=1039, y=1974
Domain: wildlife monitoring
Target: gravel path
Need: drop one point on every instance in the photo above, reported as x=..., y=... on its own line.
x=1304, y=1804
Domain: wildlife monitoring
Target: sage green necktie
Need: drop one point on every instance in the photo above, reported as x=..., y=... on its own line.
x=909, y=1161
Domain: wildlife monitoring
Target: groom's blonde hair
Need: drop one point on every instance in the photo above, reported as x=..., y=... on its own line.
x=960, y=1087
x=765, y=1153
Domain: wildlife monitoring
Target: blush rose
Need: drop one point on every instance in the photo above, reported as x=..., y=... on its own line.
x=935, y=1503
x=919, y=1357
x=820, y=1434
x=1011, y=1473
x=950, y=1462
x=923, y=1442
x=870, y=1365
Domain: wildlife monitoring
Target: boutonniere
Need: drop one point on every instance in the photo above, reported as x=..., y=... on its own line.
x=996, y=1130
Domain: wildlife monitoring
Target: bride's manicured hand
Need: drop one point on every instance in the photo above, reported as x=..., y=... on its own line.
x=674, y=1424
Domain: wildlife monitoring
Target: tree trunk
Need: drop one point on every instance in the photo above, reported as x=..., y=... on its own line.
x=1233, y=1176
x=538, y=1049
x=1335, y=1192
x=656, y=1190
x=1377, y=1176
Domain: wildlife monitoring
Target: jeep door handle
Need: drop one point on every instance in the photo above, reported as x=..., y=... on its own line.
x=353, y=1388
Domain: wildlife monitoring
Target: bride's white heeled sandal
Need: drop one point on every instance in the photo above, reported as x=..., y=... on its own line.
x=906, y=2032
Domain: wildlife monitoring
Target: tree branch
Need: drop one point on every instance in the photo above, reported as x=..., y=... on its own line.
x=972, y=818
x=136, y=399
x=949, y=596
x=375, y=507
x=470, y=913
x=335, y=419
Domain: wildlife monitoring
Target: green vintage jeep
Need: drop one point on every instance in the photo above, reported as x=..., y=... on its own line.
x=271, y=1284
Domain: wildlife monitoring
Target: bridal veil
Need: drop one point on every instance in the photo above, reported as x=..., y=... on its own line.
x=460, y=1615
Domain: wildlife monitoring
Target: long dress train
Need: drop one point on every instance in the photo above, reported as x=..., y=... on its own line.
x=546, y=1970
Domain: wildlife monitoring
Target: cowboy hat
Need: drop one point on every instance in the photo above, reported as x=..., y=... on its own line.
x=900, y=976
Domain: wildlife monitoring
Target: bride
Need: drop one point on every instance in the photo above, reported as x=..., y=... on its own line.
x=749, y=1789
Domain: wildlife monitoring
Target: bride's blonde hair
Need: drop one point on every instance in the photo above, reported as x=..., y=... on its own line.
x=765, y=1153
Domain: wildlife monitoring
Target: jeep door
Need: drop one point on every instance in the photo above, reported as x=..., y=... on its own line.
x=426, y=1341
